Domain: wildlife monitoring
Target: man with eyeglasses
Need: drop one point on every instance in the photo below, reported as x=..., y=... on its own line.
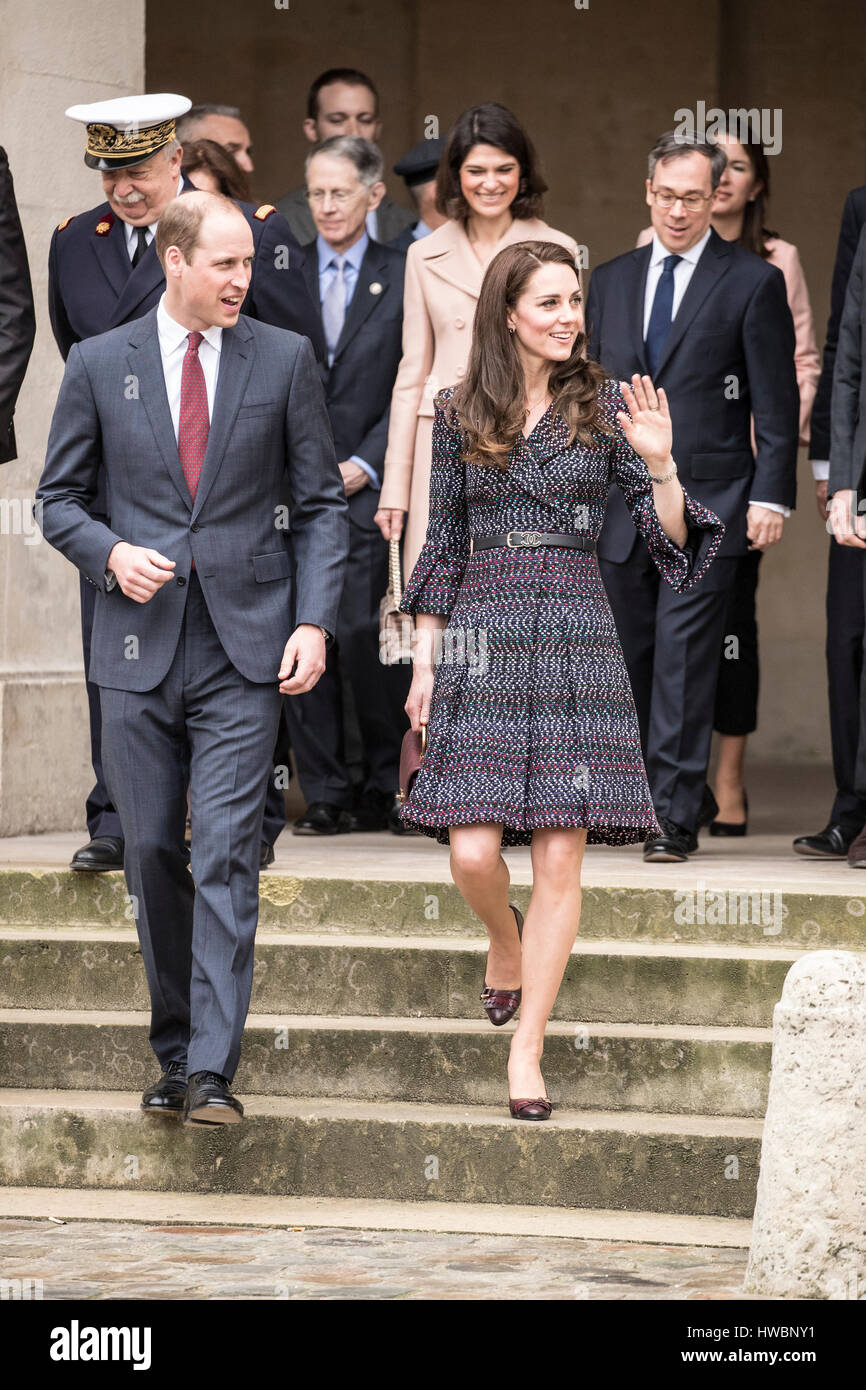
x=710, y=323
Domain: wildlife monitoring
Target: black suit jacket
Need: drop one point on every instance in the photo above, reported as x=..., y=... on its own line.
x=358, y=385
x=848, y=420
x=17, y=319
x=729, y=355
x=853, y=219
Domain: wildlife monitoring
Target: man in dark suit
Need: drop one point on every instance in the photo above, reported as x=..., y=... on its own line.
x=17, y=319
x=343, y=101
x=710, y=323
x=359, y=287
x=848, y=466
x=193, y=415
x=845, y=609
x=103, y=271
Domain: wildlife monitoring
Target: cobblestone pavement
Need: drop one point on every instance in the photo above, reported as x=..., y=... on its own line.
x=106, y=1260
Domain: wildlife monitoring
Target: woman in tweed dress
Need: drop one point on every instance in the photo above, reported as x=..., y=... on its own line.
x=533, y=737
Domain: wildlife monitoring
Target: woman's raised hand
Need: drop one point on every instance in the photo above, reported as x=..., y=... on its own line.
x=647, y=426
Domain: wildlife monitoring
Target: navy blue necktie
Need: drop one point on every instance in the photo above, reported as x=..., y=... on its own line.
x=660, y=315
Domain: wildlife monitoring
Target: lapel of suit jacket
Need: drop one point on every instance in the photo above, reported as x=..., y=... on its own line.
x=145, y=364
x=452, y=259
x=373, y=270
x=111, y=254
x=715, y=262
x=237, y=350
x=635, y=292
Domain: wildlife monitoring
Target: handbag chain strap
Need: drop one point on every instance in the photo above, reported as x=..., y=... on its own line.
x=394, y=568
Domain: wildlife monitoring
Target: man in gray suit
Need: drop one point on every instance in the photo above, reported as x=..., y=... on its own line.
x=194, y=414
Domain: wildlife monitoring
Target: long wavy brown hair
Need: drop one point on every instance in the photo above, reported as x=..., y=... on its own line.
x=489, y=404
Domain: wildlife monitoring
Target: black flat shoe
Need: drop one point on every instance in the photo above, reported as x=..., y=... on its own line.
x=167, y=1095
x=209, y=1101
x=674, y=845
x=833, y=842
x=732, y=828
x=321, y=818
x=102, y=853
x=502, y=1004
x=266, y=855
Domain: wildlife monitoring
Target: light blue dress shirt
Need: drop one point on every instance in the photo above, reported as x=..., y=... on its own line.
x=351, y=271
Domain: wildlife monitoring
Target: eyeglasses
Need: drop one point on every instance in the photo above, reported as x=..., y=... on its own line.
x=692, y=202
x=339, y=195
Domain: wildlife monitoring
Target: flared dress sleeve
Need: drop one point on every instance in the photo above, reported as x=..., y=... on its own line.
x=681, y=566
x=433, y=584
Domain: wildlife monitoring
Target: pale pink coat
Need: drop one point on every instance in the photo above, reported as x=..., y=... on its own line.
x=443, y=281
x=807, y=359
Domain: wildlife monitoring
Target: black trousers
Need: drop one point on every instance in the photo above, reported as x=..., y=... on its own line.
x=846, y=684
x=672, y=643
x=736, y=709
x=316, y=719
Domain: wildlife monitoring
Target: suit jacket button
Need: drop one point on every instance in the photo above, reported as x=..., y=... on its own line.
x=194, y=526
x=181, y=581
x=459, y=323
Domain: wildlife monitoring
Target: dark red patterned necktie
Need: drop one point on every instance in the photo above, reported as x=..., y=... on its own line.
x=194, y=424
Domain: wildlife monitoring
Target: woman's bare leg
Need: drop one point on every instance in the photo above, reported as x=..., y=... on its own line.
x=549, y=932
x=729, y=778
x=482, y=878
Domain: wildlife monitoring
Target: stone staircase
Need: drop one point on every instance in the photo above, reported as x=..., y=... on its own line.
x=369, y=1073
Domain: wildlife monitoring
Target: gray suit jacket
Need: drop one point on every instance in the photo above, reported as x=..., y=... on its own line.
x=269, y=422
x=848, y=405
x=391, y=218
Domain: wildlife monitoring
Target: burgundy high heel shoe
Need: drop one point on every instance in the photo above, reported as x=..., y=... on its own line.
x=538, y=1109
x=502, y=1004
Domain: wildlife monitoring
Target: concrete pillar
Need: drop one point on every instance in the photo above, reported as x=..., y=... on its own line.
x=52, y=55
x=809, y=1230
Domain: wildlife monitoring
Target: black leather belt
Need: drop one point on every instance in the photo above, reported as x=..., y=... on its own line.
x=518, y=540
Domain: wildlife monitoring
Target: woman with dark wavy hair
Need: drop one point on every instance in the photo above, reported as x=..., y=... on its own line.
x=489, y=185
x=533, y=736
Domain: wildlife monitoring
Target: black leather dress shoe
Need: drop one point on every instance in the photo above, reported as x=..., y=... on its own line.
x=674, y=844
x=321, y=818
x=167, y=1095
x=266, y=856
x=210, y=1102
x=833, y=842
x=104, y=852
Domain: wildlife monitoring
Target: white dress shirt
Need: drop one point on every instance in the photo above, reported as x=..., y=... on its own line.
x=173, y=344
x=683, y=273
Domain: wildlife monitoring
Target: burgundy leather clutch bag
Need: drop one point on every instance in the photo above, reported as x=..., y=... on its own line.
x=412, y=752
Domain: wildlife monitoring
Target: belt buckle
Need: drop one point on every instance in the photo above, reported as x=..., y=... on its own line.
x=528, y=538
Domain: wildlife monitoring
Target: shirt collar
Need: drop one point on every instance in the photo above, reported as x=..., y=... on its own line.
x=354, y=255
x=693, y=255
x=172, y=334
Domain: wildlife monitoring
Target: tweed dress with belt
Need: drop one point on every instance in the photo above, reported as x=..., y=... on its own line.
x=532, y=721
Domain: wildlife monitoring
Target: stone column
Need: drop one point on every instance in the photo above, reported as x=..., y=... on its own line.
x=52, y=55
x=809, y=1230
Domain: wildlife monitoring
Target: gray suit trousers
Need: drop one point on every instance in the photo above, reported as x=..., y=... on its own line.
x=196, y=924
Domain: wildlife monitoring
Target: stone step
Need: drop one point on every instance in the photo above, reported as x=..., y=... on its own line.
x=680, y=909
x=231, y=1210
x=696, y=1165
x=608, y=1066
x=304, y=973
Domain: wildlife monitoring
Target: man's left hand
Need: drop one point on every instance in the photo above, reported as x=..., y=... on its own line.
x=763, y=527
x=354, y=477
x=306, y=646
